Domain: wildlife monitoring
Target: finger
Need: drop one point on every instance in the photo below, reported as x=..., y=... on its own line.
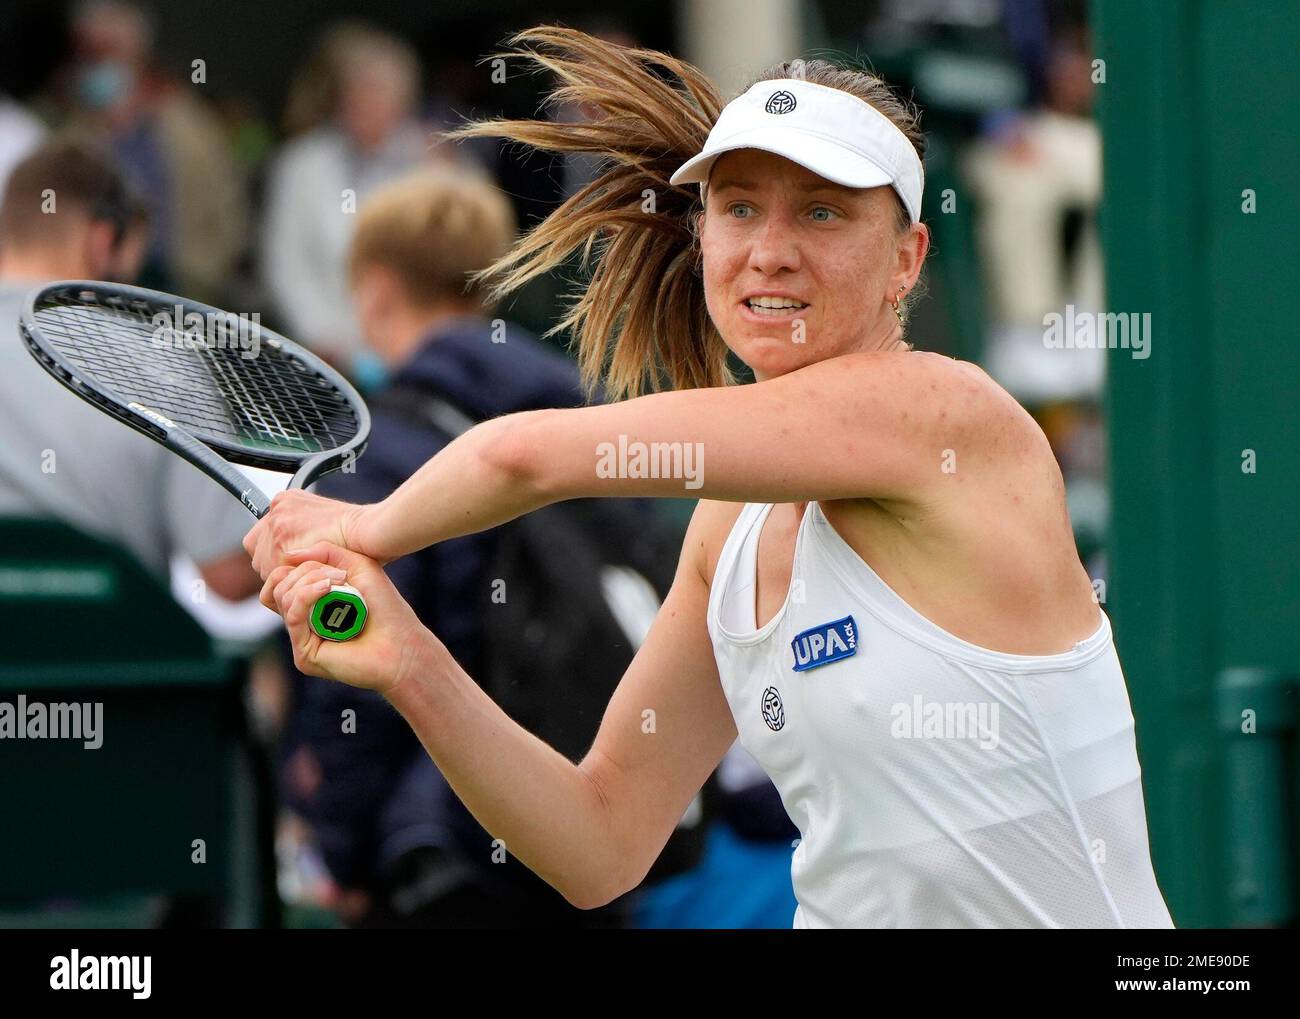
x=288, y=579
x=301, y=599
x=328, y=553
x=308, y=572
x=297, y=609
x=267, y=595
x=267, y=551
x=253, y=544
x=264, y=560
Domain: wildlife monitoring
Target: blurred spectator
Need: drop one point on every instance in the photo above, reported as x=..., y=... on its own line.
x=62, y=458
x=128, y=258
x=352, y=108
x=20, y=132
x=170, y=142
x=387, y=823
x=1038, y=185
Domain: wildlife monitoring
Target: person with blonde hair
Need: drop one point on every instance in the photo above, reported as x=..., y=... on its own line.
x=417, y=242
x=390, y=831
x=878, y=592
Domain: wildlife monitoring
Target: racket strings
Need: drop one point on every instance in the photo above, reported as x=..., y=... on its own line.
x=284, y=413
x=208, y=384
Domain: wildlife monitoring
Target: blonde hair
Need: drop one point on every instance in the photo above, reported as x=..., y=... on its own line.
x=434, y=229
x=641, y=322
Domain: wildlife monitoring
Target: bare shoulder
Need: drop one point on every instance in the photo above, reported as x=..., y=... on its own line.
x=959, y=431
x=963, y=381
x=997, y=458
x=988, y=413
x=926, y=389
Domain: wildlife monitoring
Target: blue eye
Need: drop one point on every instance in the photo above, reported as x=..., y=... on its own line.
x=822, y=208
x=738, y=205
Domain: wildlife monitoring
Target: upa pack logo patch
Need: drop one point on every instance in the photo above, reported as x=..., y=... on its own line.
x=825, y=643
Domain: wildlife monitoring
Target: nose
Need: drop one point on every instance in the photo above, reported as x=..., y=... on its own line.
x=774, y=246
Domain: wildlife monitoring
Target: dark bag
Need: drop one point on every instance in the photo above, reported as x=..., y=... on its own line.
x=572, y=588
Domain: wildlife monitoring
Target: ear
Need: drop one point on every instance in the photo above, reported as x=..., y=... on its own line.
x=913, y=246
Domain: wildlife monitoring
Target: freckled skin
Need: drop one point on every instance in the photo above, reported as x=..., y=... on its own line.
x=841, y=252
x=823, y=248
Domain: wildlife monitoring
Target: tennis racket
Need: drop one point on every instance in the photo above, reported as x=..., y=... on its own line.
x=213, y=387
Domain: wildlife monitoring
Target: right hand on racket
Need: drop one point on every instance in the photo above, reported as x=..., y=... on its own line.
x=390, y=645
x=296, y=521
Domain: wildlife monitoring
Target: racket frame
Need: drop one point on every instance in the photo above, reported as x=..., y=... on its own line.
x=210, y=455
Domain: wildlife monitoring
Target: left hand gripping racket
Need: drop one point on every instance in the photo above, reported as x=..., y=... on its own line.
x=213, y=387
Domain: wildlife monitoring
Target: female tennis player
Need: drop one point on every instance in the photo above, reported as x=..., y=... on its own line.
x=878, y=592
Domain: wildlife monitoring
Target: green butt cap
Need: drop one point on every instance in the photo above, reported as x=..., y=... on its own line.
x=339, y=614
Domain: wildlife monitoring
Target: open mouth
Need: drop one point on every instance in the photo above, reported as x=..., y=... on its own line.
x=774, y=307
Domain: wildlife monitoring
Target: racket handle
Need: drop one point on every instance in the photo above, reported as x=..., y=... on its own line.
x=339, y=614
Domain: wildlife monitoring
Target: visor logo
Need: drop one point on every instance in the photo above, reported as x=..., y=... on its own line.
x=780, y=102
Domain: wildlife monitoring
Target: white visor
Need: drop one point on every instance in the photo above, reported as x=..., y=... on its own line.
x=826, y=130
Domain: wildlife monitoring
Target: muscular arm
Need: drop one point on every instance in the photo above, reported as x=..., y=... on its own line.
x=868, y=425
x=591, y=830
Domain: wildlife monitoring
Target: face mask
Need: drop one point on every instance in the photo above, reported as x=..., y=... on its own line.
x=103, y=85
x=369, y=372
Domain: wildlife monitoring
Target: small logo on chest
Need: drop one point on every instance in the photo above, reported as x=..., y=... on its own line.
x=825, y=643
x=773, y=709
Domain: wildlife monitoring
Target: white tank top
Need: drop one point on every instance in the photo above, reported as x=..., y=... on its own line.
x=934, y=783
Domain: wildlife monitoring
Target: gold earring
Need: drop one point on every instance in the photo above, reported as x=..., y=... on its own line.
x=896, y=308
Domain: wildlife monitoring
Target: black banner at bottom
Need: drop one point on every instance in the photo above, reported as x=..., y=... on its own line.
x=156, y=969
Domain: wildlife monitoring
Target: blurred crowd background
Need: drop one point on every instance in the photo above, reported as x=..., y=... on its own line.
x=281, y=159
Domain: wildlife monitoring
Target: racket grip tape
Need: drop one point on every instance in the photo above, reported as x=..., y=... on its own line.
x=339, y=614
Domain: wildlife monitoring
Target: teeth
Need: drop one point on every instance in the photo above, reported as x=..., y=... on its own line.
x=774, y=302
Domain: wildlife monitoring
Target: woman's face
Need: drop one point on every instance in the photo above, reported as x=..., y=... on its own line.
x=773, y=230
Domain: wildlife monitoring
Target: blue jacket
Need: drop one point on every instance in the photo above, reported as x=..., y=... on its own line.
x=380, y=795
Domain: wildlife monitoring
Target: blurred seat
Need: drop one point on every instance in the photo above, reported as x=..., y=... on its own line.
x=85, y=623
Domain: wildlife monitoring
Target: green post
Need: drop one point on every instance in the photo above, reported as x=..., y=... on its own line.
x=1200, y=118
x=1254, y=708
